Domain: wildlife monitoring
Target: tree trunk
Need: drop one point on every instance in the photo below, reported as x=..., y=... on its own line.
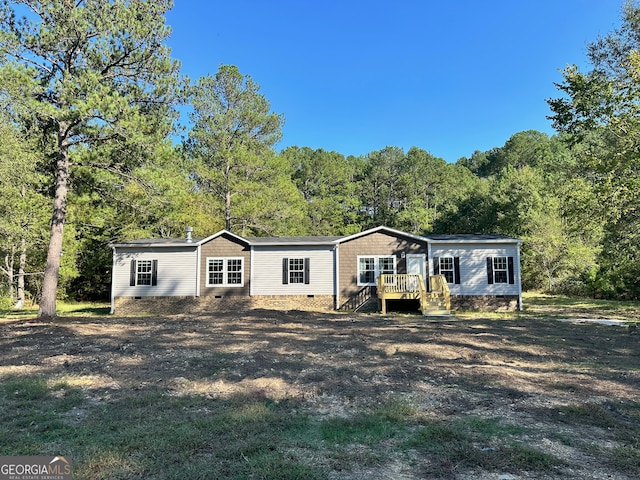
x=227, y=196
x=227, y=210
x=8, y=263
x=21, y=268
x=47, y=309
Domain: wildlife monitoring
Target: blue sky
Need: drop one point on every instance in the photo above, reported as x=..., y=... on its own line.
x=355, y=76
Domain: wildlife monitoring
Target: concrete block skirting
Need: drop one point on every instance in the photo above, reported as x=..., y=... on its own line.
x=486, y=303
x=203, y=305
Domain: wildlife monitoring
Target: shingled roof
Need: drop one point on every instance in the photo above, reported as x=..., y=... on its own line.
x=320, y=240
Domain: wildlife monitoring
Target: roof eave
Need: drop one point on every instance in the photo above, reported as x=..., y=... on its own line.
x=293, y=244
x=153, y=245
x=477, y=240
x=418, y=238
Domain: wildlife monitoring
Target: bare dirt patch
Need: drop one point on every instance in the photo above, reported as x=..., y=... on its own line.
x=539, y=374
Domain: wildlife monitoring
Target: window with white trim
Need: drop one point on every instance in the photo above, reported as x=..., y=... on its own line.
x=370, y=267
x=225, y=272
x=144, y=272
x=446, y=268
x=296, y=270
x=500, y=270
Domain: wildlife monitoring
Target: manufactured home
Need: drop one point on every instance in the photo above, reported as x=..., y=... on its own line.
x=228, y=272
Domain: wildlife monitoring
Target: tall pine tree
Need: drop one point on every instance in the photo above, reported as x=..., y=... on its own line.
x=89, y=71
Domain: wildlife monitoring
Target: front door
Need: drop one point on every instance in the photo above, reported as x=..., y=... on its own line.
x=417, y=264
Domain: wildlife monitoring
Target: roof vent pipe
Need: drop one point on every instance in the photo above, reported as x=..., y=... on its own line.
x=189, y=230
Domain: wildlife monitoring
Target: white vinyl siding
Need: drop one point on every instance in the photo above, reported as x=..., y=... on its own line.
x=473, y=267
x=267, y=270
x=176, y=272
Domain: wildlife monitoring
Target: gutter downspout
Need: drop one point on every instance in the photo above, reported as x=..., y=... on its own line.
x=336, y=270
x=113, y=270
x=426, y=280
x=251, y=282
x=198, y=269
x=520, y=307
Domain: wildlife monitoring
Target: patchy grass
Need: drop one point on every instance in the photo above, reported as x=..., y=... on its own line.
x=274, y=395
x=475, y=442
x=65, y=309
x=555, y=306
x=152, y=434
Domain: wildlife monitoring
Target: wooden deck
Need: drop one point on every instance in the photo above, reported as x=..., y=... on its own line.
x=436, y=301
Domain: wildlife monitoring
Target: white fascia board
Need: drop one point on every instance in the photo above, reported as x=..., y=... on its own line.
x=382, y=229
x=300, y=243
x=222, y=232
x=472, y=241
x=158, y=243
x=153, y=245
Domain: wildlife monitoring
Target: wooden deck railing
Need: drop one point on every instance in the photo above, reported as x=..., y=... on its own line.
x=411, y=286
x=407, y=283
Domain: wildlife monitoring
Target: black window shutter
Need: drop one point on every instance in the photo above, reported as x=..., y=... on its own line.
x=489, y=270
x=132, y=274
x=154, y=273
x=285, y=271
x=512, y=278
x=456, y=270
x=436, y=266
x=307, y=261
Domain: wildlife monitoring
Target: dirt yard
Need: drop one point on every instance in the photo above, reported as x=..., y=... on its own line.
x=572, y=389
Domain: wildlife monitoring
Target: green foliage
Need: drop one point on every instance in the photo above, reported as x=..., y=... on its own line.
x=23, y=206
x=231, y=149
x=6, y=302
x=599, y=113
x=328, y=183
x=86, y=74
x=108, y=110
x=529, y=148
x=411, y=191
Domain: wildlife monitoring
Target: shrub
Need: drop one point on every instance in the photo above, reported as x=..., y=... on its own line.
x=6, y=303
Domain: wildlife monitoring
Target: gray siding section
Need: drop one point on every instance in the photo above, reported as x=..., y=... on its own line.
x=176, y=272
x=267, y=271
x=473, y=267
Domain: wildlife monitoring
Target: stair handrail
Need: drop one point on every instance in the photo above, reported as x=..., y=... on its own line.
x=440, y=287
x=357, y=300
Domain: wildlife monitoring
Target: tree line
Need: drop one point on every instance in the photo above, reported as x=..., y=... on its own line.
x=88, y=113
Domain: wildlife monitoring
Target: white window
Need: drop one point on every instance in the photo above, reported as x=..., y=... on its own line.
x=500, y=270
x=447, y=269
x=296, y=270
x=144, y=272
x=370, y=267
x=225, y=272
